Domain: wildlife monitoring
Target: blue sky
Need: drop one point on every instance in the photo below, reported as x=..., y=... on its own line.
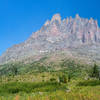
x=19, y=18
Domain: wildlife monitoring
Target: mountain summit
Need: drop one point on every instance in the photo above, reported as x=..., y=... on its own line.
x=78, y=35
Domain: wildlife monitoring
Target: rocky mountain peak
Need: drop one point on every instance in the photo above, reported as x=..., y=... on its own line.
x=47, y=23
x=57, y=34
x=77, y=16
x=56, y=17
x=67, y=20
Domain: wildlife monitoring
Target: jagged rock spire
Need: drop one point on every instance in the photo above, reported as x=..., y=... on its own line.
x=77, y=16
x=96, y=22
x=91, y=20
x=56, y=17
x=67, y=20
x=72, y=32
x=47, y=23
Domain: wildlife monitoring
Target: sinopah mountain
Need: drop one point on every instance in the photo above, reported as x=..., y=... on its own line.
x=80, y=35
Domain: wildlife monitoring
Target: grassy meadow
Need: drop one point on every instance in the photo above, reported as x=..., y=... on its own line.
x=73, y=81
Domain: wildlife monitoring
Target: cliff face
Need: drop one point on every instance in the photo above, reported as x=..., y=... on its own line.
x=55, y=35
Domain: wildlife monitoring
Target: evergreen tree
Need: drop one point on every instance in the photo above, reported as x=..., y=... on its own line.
x=96, y=71
x=14, y=70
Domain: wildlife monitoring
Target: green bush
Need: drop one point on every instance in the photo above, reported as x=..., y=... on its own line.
x=52, y=79
x=63, y=79
x=16, y=87
x=95, y=72
x=89, y=83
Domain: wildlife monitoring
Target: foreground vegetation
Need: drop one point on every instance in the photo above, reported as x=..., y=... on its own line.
x=75, y=90
x=73, y=81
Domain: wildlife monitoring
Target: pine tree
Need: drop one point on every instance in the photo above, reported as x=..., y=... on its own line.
x=95, y=71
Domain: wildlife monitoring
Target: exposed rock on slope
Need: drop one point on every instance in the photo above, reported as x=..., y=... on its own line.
x=79, y=35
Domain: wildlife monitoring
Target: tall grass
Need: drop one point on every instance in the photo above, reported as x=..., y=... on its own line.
x=29, y=87
x=58, y=95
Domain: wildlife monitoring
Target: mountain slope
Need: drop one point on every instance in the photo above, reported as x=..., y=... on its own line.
x=77, y=36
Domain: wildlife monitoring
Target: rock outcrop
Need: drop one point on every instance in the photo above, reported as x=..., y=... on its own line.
x=57, y=34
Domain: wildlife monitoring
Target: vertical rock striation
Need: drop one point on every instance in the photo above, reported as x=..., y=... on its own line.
x=56, y=34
